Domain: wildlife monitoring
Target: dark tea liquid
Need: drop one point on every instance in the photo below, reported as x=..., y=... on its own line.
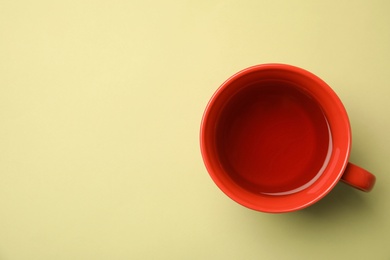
x=273, y=138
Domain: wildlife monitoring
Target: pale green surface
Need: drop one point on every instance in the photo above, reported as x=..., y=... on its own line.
x=100, y=106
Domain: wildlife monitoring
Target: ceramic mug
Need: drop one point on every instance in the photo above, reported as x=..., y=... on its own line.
x=276, y=138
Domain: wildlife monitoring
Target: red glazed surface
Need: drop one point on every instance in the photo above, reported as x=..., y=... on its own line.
x=276, y=138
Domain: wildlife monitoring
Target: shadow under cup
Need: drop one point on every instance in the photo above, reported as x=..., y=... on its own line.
x=275, y=138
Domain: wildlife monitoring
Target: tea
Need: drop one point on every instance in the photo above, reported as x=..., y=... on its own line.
x=273, y=138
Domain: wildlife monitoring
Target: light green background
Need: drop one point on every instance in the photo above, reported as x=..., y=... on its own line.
x=100, y=107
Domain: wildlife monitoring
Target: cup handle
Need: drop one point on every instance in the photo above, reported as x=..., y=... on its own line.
x=358, y=178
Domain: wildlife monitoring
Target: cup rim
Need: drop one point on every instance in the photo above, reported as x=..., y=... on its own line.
x=341, y=141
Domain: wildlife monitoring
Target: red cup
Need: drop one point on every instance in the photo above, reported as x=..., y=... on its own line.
x=276, y=138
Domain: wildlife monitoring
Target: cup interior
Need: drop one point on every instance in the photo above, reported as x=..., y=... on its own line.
x=275, y=138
